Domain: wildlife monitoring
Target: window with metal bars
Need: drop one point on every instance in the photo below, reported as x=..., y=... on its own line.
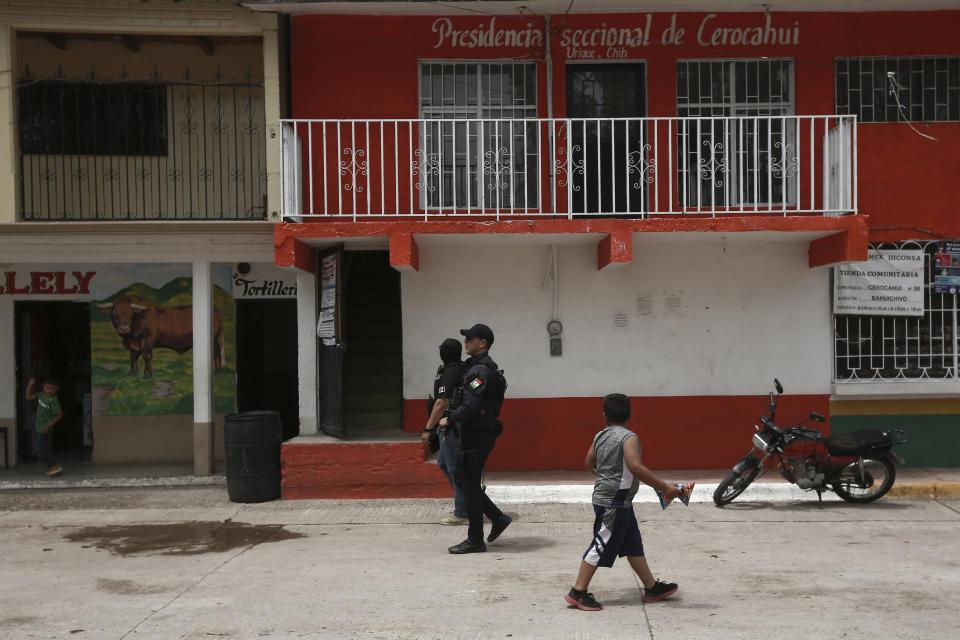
x=735, y=151
x=488, y=161
x=886, y=348
x=916, y=89
x=87, y=118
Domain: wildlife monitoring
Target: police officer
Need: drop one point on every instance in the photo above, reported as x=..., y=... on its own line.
x=449, y=377
x=473, y=412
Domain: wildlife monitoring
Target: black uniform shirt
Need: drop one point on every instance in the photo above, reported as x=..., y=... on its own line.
x=476, y=382
x=448, y=378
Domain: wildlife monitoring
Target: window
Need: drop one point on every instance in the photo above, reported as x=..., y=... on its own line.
x=916, y=89
x=735, y=150
x=86, y=118
x=488, y=161
x=882, y=348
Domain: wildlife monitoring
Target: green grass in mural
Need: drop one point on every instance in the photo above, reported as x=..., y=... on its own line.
x=170, y=390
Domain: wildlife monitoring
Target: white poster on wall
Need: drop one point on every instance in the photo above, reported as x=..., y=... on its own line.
x=326, y=325
x=889, y=283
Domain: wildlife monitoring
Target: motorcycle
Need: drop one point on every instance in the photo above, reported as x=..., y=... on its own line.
x=858, y=467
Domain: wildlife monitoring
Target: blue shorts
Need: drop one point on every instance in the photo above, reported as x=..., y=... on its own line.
x=615, y=534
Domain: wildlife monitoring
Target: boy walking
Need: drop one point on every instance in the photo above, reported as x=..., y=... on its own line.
x=614, y=457
x=49, y=413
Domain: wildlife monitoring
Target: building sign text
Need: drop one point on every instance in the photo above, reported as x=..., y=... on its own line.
x=889, y=283
x=609, y=41
x=37, y=283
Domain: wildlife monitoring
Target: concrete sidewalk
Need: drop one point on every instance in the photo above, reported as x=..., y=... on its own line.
x=573, y=487
x=186, y=563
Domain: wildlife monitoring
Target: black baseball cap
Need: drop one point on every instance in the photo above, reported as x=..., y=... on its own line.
x=478, y=331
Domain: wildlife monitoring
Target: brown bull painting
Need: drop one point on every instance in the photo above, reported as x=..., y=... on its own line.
x=143, y=327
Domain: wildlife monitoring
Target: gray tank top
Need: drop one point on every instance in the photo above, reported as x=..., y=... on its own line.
x=615, y=486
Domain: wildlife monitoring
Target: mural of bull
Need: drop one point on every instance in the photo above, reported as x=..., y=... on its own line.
x=143, y=327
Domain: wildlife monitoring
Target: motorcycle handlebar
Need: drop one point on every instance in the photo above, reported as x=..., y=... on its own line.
x=768, y=423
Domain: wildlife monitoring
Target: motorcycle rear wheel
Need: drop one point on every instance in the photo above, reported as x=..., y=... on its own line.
x=878, y=477
x=733, y=485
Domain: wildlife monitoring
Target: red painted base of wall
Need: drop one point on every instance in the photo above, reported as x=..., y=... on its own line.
x=541, y=434
x=359, y=470
x=676, y=432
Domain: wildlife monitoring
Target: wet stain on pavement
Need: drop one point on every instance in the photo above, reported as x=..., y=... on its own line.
x=127, y=587
x=179, y=538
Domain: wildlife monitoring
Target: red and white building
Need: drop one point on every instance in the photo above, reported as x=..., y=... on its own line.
x=675, y=185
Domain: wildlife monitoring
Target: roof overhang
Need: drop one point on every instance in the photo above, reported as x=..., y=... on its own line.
x=832, y=240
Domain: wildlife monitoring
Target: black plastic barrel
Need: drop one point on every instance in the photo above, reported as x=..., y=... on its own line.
x=251, y=442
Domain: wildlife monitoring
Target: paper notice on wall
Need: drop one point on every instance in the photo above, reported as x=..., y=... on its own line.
x=946, y=268
x=889, y=283
x=327, y=322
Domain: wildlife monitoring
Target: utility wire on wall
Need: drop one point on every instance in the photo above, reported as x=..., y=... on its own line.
x=894, y=86
x=553, y=273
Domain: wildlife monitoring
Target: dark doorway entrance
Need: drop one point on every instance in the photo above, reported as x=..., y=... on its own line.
x=53, y=341
x=610, y=150
x=373, y=363
x=267, y=359
x=361, y=367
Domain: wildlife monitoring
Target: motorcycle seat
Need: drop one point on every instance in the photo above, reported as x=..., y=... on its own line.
x=860, y=442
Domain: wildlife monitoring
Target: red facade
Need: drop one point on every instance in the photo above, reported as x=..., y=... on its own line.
x=367, y=67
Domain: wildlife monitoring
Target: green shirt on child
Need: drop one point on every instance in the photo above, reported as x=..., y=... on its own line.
x=48, y=408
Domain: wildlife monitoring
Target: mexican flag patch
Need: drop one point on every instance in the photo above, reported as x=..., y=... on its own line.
x=441, y=390
x=476, y=383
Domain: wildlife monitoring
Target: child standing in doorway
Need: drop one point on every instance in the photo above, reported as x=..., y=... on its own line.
x=49, y=413
x=615, y=458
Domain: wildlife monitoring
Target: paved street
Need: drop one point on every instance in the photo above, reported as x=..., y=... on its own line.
x=187, y=563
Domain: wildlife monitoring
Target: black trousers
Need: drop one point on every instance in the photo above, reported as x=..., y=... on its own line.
x=474, y=449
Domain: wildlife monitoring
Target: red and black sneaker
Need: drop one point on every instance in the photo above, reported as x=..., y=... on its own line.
x=659, y=591
x=582, y=600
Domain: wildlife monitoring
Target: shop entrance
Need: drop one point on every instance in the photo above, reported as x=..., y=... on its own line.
x=361, y=368
x=611, y=151
x=267, y=359
x=53, y=341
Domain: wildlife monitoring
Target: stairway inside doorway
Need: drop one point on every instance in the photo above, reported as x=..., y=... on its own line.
x=373, y=366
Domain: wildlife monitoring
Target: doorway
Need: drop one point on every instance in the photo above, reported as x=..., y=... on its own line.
x=373, y=361
x=53, y=342
x=608, y=147
x=267, y=360
x=361, y=366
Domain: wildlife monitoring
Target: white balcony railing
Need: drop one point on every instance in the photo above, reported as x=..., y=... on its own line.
x=510, y=169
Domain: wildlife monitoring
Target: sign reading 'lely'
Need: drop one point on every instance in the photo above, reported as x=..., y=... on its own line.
x=46, y=282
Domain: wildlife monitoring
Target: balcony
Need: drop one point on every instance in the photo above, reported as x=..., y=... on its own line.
x=148, y=149
x=442, y=169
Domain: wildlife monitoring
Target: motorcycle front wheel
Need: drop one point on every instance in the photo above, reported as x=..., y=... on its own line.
x=733, y=485
x=876, y=480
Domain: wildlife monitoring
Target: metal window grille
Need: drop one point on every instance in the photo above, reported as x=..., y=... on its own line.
x=884, y=348
x=489, y=161
x=747, y=161
x=82, y=118
x=917, y=89
x=141, y=149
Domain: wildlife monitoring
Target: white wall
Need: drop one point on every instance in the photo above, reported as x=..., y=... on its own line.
x=751, y=310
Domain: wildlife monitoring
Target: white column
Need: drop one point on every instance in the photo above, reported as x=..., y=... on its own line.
x=307, y=350
x=271, y=101
x=8, y=125
x=203, y=449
